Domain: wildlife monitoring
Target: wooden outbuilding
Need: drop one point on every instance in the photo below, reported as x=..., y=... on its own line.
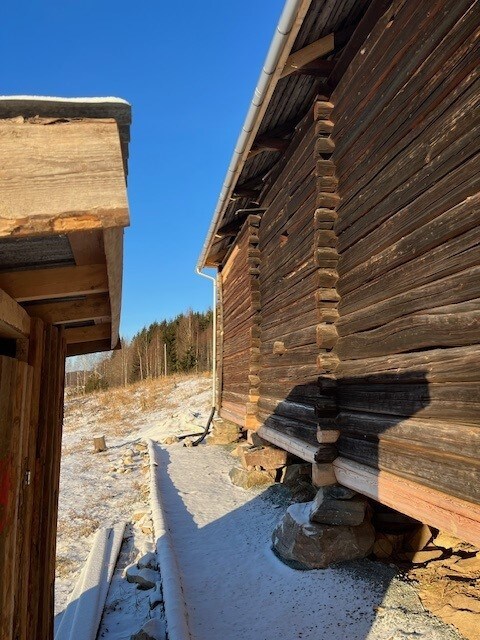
x=346, y=240
x=62, y=214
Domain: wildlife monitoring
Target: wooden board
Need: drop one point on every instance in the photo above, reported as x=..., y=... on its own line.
x=88, y=193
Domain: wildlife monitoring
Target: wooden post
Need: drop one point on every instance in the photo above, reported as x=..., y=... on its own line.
x=99, y=444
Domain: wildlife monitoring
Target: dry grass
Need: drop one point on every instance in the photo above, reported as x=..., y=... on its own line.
x=77, y=525
x=65, y=566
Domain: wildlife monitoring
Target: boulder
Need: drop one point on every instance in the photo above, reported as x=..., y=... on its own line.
x=250, y=479
x=264, y=457
x=308, y=545
x=326, y=509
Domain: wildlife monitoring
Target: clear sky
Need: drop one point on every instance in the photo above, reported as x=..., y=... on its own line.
x=189, y=70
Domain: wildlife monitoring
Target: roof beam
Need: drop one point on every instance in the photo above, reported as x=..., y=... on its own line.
x=91, y=333
x=61, y=282
x=113, y=243
x=14, y=321
x=95, y=307
x=303, y=57
x=318, y=68
x=82, y=348
x=87, y=247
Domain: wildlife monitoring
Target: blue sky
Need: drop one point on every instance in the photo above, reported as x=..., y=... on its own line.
x=189, y=69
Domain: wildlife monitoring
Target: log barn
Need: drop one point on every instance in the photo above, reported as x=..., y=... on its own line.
x=346, y=239
x=62, y=214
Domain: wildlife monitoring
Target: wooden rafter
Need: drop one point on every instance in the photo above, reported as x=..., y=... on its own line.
x=87, y=247
x=88, y=334
x=14, y=321
x=94, y=307
x=93, y=346
x=61, y=282
x=319, y=68
x=303, y=57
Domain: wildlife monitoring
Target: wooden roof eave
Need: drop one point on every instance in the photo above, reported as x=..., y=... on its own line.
x=80, y=195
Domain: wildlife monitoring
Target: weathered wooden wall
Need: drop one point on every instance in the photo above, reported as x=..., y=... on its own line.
x=288, y=283
x=31, y=406
x=406, y=130
x=240, y=335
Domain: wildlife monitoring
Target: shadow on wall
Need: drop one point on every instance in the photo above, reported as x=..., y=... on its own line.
x=384, y=422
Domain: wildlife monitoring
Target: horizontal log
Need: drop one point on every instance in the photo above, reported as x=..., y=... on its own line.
x=417, y=331
x=454, y=475
x=446, y=259
x=460, y=402
x=438, y=509
x=459, y=364
x=327, y=336
x=444, y=291
x=37, y=197
x=88, y=334
x=441, y=435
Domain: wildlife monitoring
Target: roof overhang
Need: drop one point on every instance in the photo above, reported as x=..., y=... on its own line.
x=313, y=44
x=62, y=213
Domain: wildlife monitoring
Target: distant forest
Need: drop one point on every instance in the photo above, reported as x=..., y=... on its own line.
x=186, y=340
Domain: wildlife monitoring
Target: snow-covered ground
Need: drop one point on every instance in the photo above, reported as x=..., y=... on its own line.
x=234, y=587
x=100, y=489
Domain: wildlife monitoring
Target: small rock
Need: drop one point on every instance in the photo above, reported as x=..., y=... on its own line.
x=156, y=597
x=170, y=440
x=425, y=555
x=249, y=479
x=223, y=432
x=469, y=567
x=327, y=510
x=140, y=446
x=148, y=561
x=188, y=442
x=309, y=545
x=144, y=578
x=148, y=531
x=338, y=492
x=254, y=439
x=295, y=472
x=446, y=540
x=154, y=629
x=138, y=515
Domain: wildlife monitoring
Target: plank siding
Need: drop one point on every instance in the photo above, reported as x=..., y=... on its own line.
x=406, y=132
